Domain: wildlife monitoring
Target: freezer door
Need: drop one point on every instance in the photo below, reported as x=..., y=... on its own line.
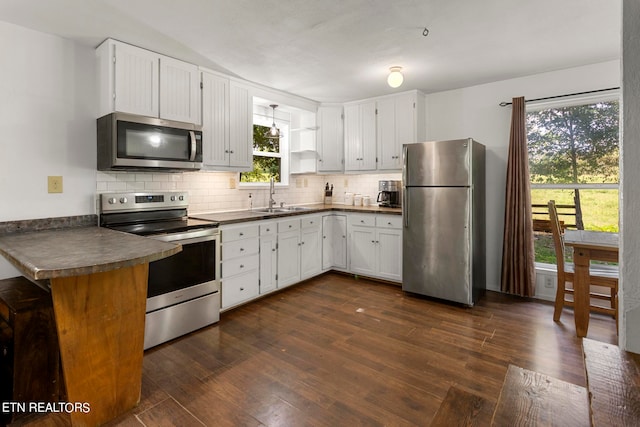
x=437, y=163
x=436, y=243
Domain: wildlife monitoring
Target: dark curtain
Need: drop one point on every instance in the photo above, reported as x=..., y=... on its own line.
x=518, y=254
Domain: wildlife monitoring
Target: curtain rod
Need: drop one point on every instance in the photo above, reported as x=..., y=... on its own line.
x=504, y=104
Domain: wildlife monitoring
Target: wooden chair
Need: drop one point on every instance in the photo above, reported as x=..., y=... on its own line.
x=605, y=276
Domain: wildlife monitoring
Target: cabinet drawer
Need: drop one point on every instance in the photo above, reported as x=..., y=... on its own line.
x=389, y=221
x=238, y=248
x=288, y=225
x=268, y=229
x=366, y=220
x=311, y=221
x=239, y=265
x=240, y=288
x=237, y=233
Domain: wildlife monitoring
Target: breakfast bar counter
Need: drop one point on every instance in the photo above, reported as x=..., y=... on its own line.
x=98, y=283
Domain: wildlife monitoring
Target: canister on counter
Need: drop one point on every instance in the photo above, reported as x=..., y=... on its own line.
x=366, y=200
x=348, y=199
x=357, y=200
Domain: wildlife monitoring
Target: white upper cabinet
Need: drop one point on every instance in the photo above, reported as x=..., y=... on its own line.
x=227, y=124
x=330, y=139
x=138, y=81
x=240, y=127
x=179, y=90
x=360, y=136
x=400, y=120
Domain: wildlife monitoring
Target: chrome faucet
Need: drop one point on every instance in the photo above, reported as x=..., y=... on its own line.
x=272, y=191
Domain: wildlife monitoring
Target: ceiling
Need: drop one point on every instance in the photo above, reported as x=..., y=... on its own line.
x=341, y=50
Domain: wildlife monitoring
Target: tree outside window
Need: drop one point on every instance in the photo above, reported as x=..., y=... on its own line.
x=574, y=160
x=267, y=159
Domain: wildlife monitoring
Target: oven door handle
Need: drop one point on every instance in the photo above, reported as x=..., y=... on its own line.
x=185, y=238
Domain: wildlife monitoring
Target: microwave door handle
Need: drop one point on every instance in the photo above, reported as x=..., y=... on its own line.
x=192, y=137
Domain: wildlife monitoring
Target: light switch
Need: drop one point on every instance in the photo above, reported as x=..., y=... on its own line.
x=54, y=184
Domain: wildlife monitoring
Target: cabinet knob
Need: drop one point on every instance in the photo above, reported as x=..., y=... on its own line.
x=241, y=249
x=241, y=234
x=290, y=226
x=241, y=265
x=242, y=289
x=231, y=151
x=268, y=229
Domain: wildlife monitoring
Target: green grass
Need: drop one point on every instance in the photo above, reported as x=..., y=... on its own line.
x=599, y=213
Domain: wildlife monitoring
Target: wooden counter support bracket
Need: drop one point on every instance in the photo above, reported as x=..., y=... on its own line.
x=100, y=324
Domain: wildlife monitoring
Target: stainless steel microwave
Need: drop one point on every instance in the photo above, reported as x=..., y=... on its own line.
x=131, y=142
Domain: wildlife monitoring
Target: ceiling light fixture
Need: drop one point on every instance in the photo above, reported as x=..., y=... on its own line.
x=273, y=132
x=395, y=77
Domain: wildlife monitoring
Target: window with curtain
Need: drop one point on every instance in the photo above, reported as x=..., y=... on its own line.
x=573, y=159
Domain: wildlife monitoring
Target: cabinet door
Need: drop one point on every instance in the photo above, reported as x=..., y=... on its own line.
x=240, y=127
x=405, y=122
x=360, y=136
x=362, y=252
x=136, y=80
x=288, y=258
x=311, y=252
x=339, y=241
x=330, y=139
x=368, y=135
x=388, y=150
x=268, y=264
x=389, y=254
x=179, y=91
x=352, y=140
x=328, y=226
x=215, y=120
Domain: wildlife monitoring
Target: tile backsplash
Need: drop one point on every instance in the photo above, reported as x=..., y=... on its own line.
x=220, y=191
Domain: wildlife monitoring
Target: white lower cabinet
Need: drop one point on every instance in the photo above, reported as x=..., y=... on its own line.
x=334, y=242
x=268, y=258
x=240, y=264
x=375, y=245
x=310, y=246
x=288, y=252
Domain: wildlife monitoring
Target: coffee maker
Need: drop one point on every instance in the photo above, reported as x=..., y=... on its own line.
x=390, y=194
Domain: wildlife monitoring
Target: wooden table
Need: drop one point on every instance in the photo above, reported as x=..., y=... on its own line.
x=587, y=246
x=98, y=282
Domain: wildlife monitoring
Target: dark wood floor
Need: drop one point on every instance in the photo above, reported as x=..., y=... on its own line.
x=338, y=351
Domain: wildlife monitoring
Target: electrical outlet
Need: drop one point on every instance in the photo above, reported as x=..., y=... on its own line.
x=232, y=183
x=548, y=282
x=54, y=184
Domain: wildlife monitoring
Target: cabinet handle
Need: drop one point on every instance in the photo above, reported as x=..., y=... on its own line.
x=389, y=223
x=324, y=237
x=231, y=151
x=310, y=222
x=242, y=289
x=303, y=243
x=241, y=265
x=273, y=250
x=290, y=226
x=241, y=249
x=268, y=229
x=362, y=221
x=241, y=234
x=226, y=151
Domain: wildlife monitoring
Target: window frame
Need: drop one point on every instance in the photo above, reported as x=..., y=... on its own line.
x=263, y=116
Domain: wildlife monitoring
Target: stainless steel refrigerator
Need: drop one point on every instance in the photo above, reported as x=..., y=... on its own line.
x=443, y=208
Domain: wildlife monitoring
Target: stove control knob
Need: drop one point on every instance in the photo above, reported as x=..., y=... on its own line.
x=112, y=200
x=123, y=200
x=181, y=198
x=173, y=198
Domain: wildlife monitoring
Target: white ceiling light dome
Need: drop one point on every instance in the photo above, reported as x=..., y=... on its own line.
x=395, y=77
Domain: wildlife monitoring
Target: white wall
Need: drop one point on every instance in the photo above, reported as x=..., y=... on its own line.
x=47, y=124
x=474, y=112
x=630, y=196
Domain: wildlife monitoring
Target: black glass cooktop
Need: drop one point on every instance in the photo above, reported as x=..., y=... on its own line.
x=164, y=227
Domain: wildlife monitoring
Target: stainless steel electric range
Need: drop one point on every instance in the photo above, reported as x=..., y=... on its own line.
x=184, y=289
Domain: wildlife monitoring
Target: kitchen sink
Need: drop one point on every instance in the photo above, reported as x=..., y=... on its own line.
x=281, y=210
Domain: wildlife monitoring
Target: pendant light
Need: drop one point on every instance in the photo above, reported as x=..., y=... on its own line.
x=273, y=132
x=395, y=78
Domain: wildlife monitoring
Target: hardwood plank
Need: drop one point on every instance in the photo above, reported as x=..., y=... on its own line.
x=167, y=413
x=531, y=398
x=461, y=408
x=613, y=376
x=308, y=356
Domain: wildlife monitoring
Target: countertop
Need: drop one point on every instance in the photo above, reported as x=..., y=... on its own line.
x=251, y=215
x=79, y=251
